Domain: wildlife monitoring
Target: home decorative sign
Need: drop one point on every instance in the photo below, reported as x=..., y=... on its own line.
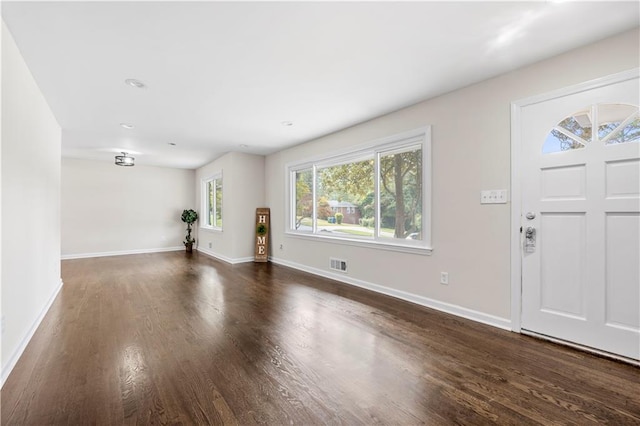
x=262, y=234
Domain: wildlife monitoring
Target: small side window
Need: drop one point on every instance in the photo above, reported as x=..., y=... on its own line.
x=212, y=202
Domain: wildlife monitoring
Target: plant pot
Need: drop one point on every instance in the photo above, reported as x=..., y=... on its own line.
x=189, y=248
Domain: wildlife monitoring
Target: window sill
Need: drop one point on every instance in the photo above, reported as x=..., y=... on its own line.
x=378, y=245
x=210, y=228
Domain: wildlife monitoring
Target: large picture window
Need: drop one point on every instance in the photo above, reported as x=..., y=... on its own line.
x=376, y=194
x=212, y=202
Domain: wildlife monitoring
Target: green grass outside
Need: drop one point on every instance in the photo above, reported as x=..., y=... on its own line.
x=355, y=232
x=365, y=231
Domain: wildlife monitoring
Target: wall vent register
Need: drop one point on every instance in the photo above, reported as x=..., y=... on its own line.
x=338, y=264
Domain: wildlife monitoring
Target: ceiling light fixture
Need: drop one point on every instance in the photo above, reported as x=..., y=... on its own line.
x=127, y=125
x=287, y=123
x=172, y=143
x=135, y=83
x=243, y=146
x=124, y=160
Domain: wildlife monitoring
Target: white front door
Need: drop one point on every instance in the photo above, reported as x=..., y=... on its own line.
x=581, y=205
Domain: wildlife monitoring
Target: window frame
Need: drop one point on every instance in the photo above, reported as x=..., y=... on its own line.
x=372, y=150
x=213, y=179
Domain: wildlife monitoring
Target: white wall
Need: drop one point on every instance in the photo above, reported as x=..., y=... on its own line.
x=108, y=209
x=471, y=152
x=2, y=370
x=30, y=204
x=243, y=187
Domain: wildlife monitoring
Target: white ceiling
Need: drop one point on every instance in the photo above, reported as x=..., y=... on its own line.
x=221, y=76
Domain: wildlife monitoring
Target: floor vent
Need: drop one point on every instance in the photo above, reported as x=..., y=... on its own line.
x=338, y=264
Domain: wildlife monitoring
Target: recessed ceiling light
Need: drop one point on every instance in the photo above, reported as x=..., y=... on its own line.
x=243, y=146
x=127, y=125
x=287, y=123
x=135, y=83
x=172, y=143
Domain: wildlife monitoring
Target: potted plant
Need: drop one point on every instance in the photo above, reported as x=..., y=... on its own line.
x=189, y=216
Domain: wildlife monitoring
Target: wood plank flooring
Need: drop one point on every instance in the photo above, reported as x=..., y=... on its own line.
x=169, y=338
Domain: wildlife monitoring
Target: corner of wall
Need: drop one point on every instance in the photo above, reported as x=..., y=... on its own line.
x=30, y=154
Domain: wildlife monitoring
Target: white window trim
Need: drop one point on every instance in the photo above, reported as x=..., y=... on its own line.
x=384, y=146
x=204, y=201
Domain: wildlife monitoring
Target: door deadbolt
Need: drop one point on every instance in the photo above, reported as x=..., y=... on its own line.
x=530, y=239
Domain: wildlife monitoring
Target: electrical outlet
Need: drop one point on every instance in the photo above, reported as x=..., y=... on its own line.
x=281, y=247
x=210, y=244
x=444, y=278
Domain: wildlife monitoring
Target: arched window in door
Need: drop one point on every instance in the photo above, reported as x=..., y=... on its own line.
x=616, y=123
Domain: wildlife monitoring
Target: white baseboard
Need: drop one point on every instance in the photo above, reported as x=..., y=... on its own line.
x=449, y=308
x=13, y=359
x=218, y=256
x=119, y=253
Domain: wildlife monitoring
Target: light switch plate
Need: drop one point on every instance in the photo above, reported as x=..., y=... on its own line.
x=493, y=196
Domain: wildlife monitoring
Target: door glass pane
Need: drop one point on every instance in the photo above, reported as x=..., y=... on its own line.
x=401, y=194
x=618, y=123
x=630, y=133
x=569, y=134
x=578, y=124
x=344, y=204
x=557, y=141
x=304, y=200
x=611, y=116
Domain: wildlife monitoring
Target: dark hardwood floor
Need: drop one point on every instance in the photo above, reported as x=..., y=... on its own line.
x=169, y=338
